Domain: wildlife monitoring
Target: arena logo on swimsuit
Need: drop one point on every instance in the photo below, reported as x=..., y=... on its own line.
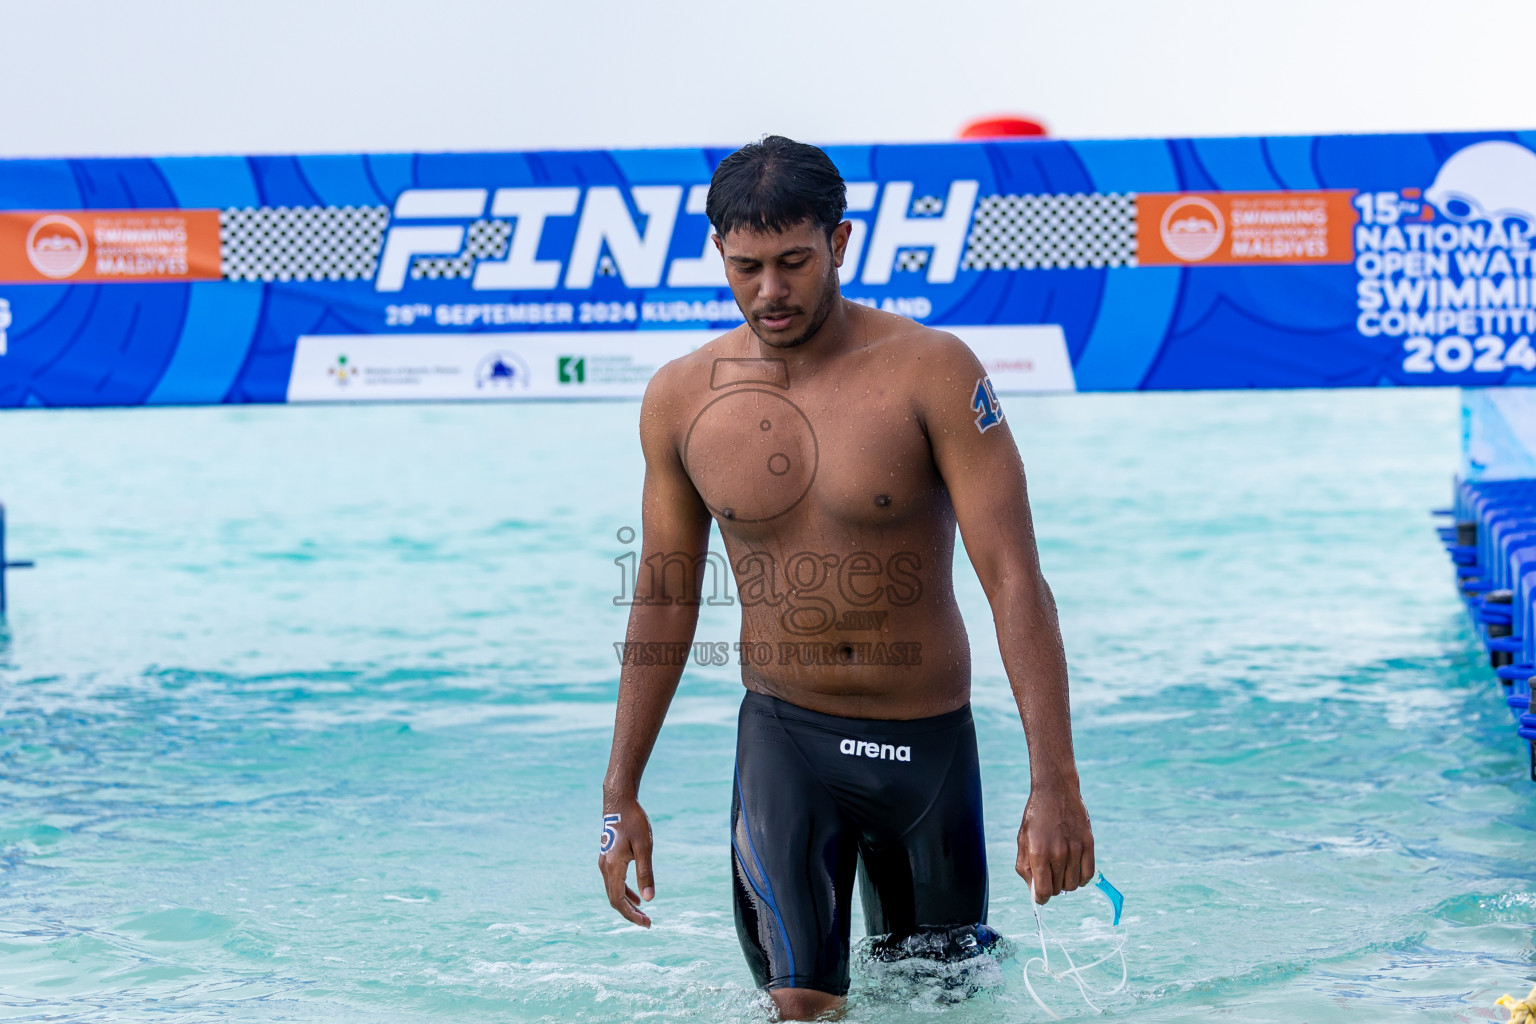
x=881, y=751
x=607, y=240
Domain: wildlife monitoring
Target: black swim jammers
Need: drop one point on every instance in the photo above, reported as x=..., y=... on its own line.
x=819, y=796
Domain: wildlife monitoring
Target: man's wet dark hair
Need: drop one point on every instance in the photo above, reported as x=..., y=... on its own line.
x=773, y=185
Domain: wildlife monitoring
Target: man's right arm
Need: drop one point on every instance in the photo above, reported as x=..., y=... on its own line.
x=675, y=530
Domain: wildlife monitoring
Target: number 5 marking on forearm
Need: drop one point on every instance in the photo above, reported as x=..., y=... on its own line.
x=610, y=834
x=984, y=401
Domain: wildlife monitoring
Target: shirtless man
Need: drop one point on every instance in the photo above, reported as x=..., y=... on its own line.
x=838, y=447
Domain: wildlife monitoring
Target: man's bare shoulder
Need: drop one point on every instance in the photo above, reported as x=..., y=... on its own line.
x=924, y=356
x=678, y=384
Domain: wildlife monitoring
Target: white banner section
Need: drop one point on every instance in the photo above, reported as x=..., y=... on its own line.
x=586, y=364
x=1021, y=359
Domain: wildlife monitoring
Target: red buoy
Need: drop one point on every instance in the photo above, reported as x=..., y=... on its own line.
x=1003, y=128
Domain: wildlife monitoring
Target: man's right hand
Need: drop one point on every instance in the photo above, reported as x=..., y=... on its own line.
x=630, y=841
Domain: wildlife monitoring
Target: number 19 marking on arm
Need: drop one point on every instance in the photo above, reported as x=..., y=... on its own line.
x=984, y=400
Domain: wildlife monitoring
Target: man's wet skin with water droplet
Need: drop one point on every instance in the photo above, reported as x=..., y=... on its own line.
x=837, y=448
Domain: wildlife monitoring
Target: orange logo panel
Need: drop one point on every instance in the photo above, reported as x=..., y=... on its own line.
x=80, y=246
x=1238, y=228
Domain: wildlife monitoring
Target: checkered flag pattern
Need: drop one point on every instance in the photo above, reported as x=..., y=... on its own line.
x=301, y=243
x=485, y=239
x=912, y=259
x=927, y=205
x=1043, y=231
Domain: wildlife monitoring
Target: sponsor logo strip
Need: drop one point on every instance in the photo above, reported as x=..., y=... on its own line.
x=487, y=366
x=483, y=366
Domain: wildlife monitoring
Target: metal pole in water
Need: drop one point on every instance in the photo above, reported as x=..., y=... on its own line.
x=4, y=565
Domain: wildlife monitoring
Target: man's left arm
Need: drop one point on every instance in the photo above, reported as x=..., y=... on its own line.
x=979, y=461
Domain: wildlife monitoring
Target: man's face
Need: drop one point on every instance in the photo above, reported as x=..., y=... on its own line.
x=784, y=281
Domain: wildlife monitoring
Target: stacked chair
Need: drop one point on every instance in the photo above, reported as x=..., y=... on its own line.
x=1492, y=542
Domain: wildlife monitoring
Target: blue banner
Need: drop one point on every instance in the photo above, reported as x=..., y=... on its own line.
x=1329, y=261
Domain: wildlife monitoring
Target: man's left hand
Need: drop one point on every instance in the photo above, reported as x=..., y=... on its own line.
x=1055, y=842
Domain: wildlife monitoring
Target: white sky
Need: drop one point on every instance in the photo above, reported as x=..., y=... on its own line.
x=156, y=77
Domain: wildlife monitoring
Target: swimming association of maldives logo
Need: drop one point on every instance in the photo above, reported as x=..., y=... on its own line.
x=1192, y=228
x=501, y=370
x=56, y=246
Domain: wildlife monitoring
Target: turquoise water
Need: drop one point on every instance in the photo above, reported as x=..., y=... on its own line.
x=304, y=712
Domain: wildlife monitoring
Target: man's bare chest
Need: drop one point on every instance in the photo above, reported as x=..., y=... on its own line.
x=757, y=453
